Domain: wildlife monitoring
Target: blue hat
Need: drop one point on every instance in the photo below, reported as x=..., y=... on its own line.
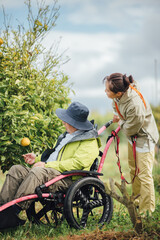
x=75, y=115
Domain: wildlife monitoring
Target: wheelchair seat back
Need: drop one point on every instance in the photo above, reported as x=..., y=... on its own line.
x=95, y=165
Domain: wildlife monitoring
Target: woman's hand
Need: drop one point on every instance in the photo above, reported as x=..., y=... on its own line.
x=115, y=118
x=29, y=158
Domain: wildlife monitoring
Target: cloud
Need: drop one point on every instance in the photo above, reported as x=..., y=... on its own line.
x=91, y=92
x=20, y=3
x=94, y=98
x=95, y=55
x=16, y=4
x=11, y=4
x=117, y=15
x=132, y=53
x=89, y=53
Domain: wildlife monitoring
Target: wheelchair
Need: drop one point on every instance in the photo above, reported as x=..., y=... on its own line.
x=84, y=204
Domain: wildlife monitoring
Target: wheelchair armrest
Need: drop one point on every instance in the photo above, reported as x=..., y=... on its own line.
x=83, y=171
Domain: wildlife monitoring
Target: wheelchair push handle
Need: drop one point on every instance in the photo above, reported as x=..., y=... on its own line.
x=104, y=127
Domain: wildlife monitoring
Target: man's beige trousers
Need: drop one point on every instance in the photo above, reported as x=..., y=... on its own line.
x=21, y=181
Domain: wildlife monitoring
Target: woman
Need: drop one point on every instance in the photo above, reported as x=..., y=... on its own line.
x=135, y=118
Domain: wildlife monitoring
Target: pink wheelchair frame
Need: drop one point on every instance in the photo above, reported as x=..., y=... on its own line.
x=86, y=194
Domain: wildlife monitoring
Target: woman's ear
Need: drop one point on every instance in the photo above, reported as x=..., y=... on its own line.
x=119, y=94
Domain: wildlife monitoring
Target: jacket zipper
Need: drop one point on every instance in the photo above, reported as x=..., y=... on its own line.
x=62, y=153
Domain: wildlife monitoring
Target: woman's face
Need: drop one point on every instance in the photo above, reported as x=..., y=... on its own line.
x=111, y=94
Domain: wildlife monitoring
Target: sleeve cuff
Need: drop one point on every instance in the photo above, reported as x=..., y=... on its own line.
x=38, y=159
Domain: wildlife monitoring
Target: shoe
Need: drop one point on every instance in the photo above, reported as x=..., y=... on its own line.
x=9, y=219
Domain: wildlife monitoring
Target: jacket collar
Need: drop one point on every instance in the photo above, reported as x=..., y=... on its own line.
x=128, y=95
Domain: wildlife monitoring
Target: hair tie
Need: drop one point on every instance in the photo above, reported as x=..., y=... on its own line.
x=124, y=79
x=126, y=82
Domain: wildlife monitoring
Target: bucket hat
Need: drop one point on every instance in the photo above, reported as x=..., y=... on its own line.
x=75, y=115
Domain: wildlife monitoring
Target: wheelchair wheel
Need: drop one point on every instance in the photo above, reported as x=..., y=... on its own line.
x=45, y=213
x=86, y=204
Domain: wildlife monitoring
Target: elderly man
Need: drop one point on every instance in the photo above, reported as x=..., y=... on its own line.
x=76, y=149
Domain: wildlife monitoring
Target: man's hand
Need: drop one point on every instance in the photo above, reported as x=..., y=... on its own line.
x=39, y=164
x=115, y=118
x=29, y=158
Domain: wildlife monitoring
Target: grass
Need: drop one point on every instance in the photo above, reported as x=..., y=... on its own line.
x=120, y=223
x=120, y=220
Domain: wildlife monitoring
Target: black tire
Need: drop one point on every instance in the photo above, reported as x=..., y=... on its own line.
x=47, y=214
x=86, y=204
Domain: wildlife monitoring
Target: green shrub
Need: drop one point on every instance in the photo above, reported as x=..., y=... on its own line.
x=31, y=87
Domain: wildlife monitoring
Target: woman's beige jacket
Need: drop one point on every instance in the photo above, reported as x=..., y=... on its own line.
x=137, y=120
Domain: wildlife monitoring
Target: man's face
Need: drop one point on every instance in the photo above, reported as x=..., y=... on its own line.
x=69, y=128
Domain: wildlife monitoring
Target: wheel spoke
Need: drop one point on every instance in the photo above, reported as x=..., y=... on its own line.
x=96, y=203
x=47, y=218
x=41, y=213
x=84, y=218
x=86, y=204
x=45, y=214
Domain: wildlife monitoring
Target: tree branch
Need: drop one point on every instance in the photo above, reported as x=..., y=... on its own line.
x=126, y=200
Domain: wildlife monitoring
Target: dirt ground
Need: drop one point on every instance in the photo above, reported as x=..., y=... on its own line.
x=110, y=235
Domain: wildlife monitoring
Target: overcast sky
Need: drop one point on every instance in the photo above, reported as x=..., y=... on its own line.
x=102, y=37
